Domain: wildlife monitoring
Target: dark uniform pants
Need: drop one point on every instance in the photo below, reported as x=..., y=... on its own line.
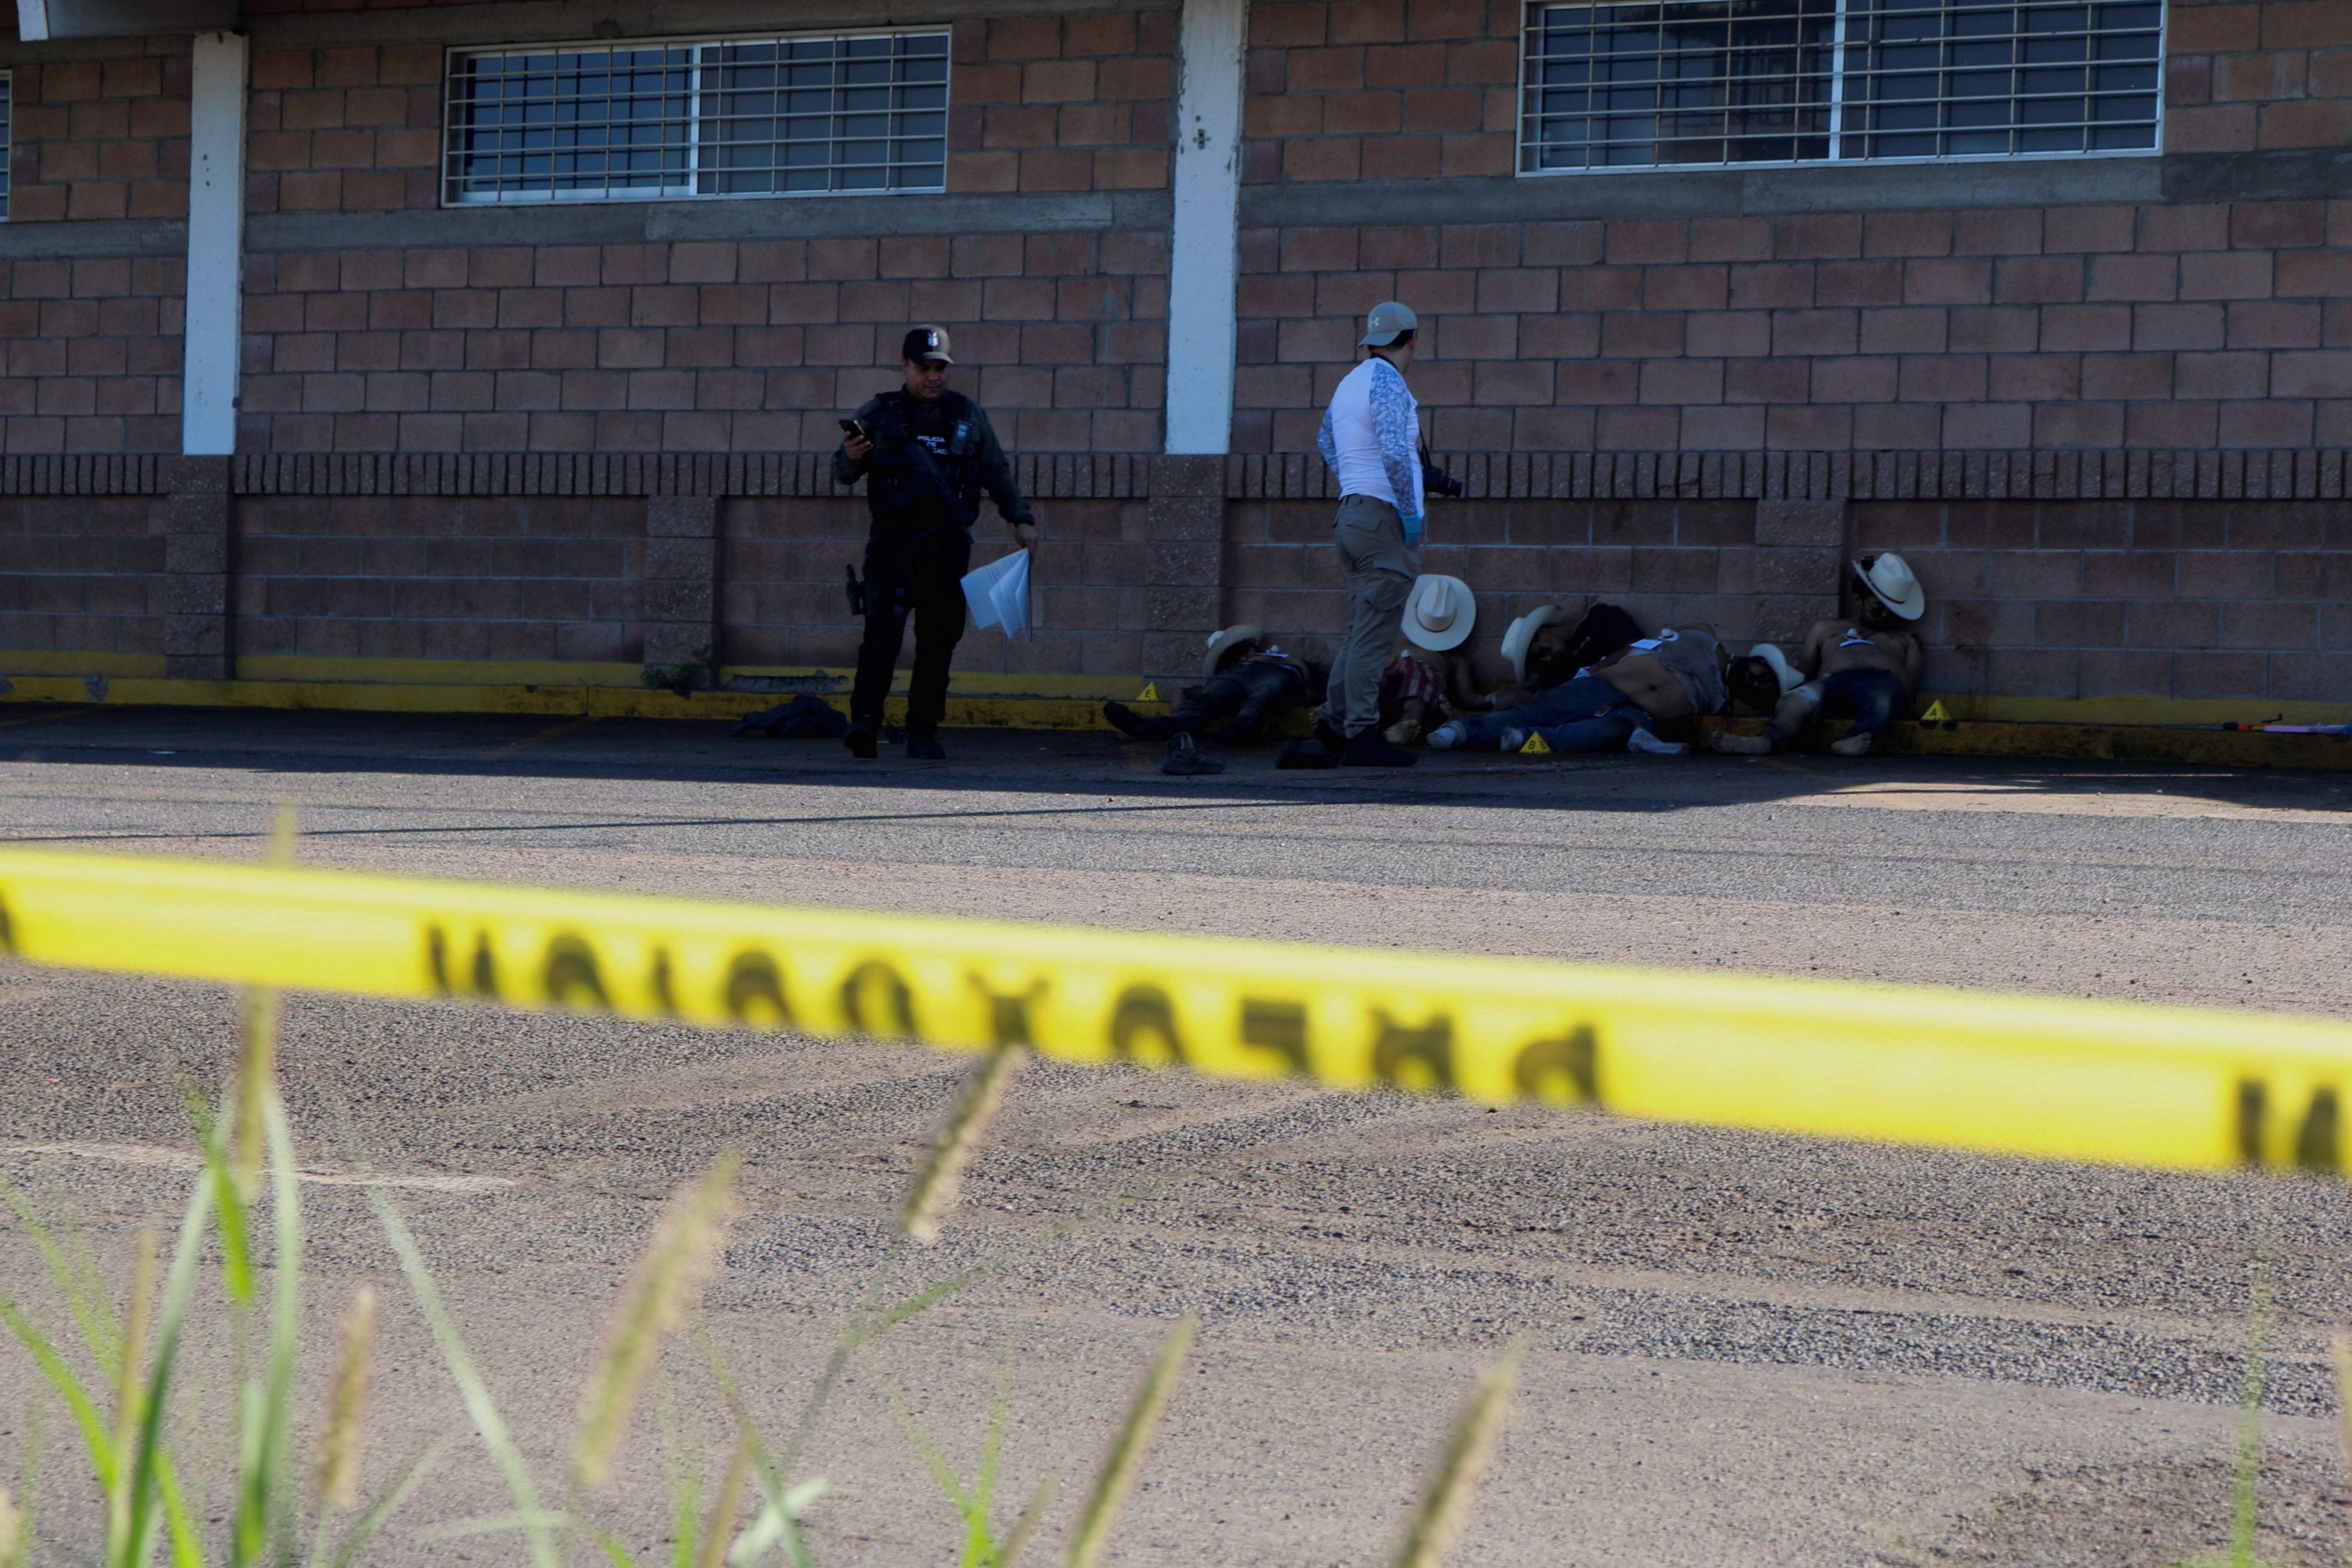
x=923, y=578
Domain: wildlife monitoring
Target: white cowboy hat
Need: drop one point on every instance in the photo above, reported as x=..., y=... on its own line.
x=1888, y=577
x=1784, y=671
x=1221, y=641
x=1439, y=612
x=1521, y=633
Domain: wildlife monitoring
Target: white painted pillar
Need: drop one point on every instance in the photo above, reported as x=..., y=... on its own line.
x=215, y=317
x=1204, y=246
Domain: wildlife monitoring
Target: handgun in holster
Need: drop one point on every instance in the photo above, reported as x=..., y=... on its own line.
x=856, y=590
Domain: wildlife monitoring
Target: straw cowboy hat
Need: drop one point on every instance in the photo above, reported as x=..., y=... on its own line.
x=1439, y=613
x=1221, y=641
x=1783, y=671
x=1888, y=577
x=1521, y=633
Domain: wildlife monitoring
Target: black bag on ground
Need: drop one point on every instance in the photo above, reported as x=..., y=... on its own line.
x=803, y=718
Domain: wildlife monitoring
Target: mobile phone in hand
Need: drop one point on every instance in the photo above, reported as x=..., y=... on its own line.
x=850, y=428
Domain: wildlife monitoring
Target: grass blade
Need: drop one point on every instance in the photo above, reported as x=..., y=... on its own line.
x=133, y=1547
x=13, y=1544
x=670, y=1276
x=480, y=1405
x=721, y=1529
x=1445, y=1501
x=411, y=1477
x=940, y=1184
x=85, y=1411
x=76, y=1276
x=1026, y=1525
x=1127, y=1450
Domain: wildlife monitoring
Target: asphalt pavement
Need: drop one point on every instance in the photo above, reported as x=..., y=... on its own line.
x=1742, y=1349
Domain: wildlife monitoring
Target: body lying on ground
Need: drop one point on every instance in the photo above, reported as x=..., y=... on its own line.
x=1250, y=683
x=1616, y=704
x=1865, y=666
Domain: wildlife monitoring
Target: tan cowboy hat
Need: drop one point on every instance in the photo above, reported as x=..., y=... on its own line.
x=1221, y=641
x=1521, y=633
x=1784, y=671
x=1439, y=612
x=1888, y=577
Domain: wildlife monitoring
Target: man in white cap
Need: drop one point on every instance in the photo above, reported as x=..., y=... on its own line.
x=1370, y=441
x=1866, y=666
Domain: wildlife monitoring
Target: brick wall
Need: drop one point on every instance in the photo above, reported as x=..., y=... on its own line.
x=1382, y=89
x=94, y=139
x=92, y=349
x=439, y=576
x=81, y=574
x=745, y=346
x=2242, y=76
x=1061, y=103
x=352, y=130
x=2169, y=598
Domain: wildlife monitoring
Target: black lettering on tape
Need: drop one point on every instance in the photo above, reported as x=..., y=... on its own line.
x=755, y=991
x=1143, y=1029
x=2254, y=1117
x=482, y=977
x=2316, y=1146
x=570, y=976
x=1419, y=1056
x=1562, y=1071
x=1009, y=1012
x=879, y=1003
x=662, y=983
x=1278, y=1027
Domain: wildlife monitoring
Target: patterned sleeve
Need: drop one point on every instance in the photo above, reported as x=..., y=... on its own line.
x=1399, y=437
x=1328, y=444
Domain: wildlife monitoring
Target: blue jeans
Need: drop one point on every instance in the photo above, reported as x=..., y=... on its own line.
x=1872, y=696
x=1584, y=715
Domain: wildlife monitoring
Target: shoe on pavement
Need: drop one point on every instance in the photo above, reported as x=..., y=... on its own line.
x=1185, y=756
x=1732, y=745
x=1512, y=739
x=1128, y=722
x=1445, y=737
x=1851, y=745
x=1320, y=749
x=860, y=741
x=1371, y=750
x=1649, y=745
x=925, y=748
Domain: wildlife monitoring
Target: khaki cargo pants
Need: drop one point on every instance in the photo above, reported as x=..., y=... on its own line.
x=1380, y=567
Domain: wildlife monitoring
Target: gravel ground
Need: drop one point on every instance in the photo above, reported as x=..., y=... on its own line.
x=1742, y=1349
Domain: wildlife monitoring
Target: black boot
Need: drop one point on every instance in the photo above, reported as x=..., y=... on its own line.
x=860, y=741
x=1133, y=725
x=1320, y=749
x=1372, y=749
x=925, y=748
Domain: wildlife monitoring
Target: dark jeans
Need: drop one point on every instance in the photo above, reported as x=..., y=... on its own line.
x=1873, y=696
x=1242, y=697
x=922, y=577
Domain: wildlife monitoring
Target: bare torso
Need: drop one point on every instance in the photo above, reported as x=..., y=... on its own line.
x=1645, y=678
x=1831, y=646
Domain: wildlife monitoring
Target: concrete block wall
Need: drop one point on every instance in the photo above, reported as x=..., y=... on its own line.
x=92, y=348
x=489, y=576
x=83, y=573
x=100, y=138
x=2154, y=598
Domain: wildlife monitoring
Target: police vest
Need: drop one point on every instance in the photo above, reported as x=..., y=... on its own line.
x=915, y=488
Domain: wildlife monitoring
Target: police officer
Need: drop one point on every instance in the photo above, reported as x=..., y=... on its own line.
x=926, y=453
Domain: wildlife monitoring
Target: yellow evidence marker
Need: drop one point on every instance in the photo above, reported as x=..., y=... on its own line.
x=1936, y=714
x=1150, y=694
x=1535, y=745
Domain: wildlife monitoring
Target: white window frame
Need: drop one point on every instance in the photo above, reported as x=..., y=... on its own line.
x=1836, y=104
x=655, y=188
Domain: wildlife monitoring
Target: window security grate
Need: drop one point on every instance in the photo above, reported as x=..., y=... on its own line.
x=763, y=116
x=1744, y=81
x=7, y=138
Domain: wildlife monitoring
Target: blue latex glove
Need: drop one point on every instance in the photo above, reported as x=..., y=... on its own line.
x=1411, y=521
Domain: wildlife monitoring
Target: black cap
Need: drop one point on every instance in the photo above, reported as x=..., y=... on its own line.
x=927, y=343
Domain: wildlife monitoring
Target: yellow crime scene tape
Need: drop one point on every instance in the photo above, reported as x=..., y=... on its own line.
x=2094, y=1081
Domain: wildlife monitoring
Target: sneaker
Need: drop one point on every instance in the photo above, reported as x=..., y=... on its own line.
x=1445, y=737
x=925, y=748
x=1371, y=750
x=1649, y=745
x=1732, y=745
x=1851, y=745
x=860, y=741
x=1185, y=756
x=1512, y=739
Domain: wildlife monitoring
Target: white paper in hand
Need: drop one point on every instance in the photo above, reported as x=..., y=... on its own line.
x=998, y=593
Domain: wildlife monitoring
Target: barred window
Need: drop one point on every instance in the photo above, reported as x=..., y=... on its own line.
x=7, y=140
x=1786, y=82
x=762, y=117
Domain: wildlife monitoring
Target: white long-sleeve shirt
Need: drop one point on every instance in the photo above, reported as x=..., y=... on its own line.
x=1371, y=437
